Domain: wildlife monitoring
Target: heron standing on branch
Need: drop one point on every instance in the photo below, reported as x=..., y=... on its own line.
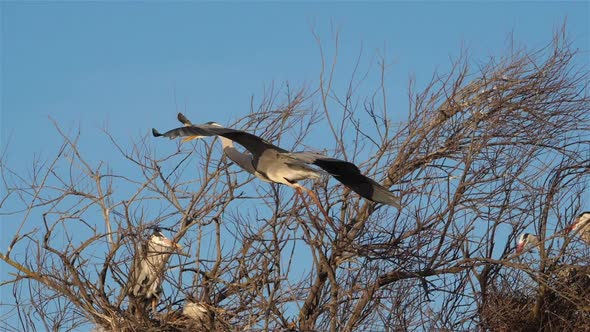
x=145, y=278
x=274, y=164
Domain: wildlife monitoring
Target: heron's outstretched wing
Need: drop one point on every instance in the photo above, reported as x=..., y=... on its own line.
x=243, y=160
x=349, y=175
x=250, y=142
x=187, y=131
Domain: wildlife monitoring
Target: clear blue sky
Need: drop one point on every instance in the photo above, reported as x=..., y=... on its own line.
x=132, y=66
x=97, y=64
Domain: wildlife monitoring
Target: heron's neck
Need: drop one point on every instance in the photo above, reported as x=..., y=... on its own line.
x=226, y=142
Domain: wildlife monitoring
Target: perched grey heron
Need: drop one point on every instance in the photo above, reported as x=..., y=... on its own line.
x=274, y=164
x=525, y=241
x=581, y=225
x=145, y=278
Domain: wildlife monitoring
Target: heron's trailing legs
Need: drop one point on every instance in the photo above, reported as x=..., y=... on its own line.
x=299, y=189
x=300, y=194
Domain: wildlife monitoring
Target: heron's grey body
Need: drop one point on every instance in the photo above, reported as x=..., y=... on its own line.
x=145, y=278
x=274, y=164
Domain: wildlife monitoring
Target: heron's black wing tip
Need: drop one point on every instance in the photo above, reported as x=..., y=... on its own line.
x=156, y=133
x=183, y=119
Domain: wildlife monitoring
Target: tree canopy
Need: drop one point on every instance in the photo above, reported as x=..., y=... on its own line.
x=489, y=150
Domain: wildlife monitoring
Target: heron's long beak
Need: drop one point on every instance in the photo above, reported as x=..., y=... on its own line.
x=571, y=227
x=519, y=248
x=168, y=243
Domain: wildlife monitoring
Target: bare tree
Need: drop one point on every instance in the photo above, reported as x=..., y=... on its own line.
x=486, y=152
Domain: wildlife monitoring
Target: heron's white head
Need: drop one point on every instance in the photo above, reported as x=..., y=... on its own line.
x=581, y=220
x=159, y=239
x=526, y=240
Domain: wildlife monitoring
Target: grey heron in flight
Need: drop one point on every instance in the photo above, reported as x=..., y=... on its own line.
x=274, y=164
x=146, y=275
x=581, y=226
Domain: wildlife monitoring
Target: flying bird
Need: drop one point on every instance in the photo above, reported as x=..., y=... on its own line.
x=581, y=226
x=145, y=278
x=526, y=241
x=244, y=160
x=274, y=164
